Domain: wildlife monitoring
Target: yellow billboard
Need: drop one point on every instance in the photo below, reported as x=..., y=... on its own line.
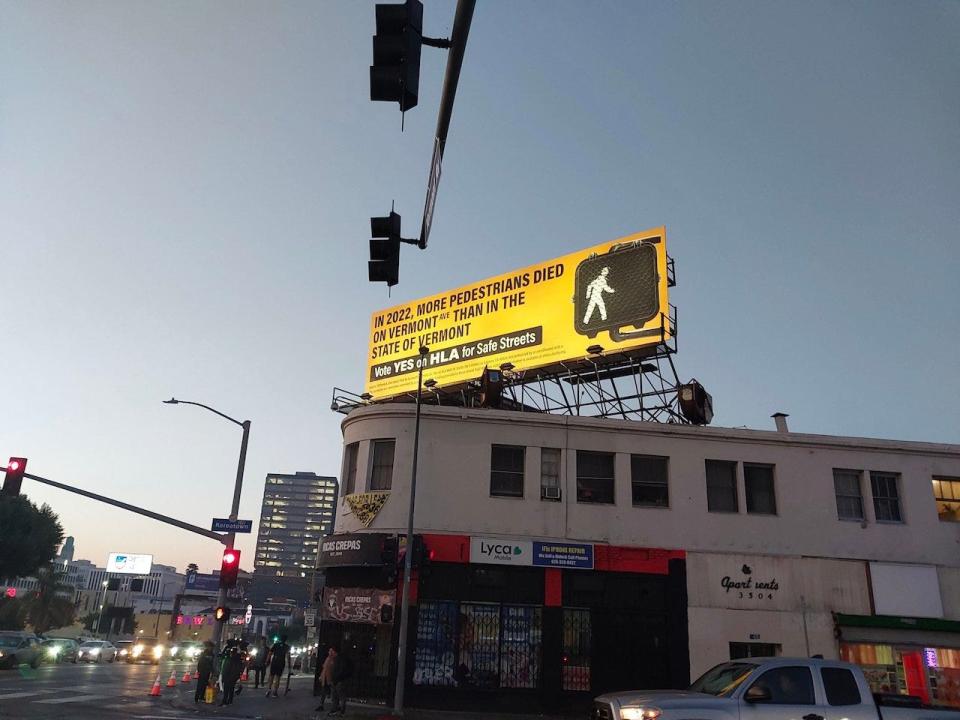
x=613, y=295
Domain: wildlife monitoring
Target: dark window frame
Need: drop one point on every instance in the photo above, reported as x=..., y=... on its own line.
x=377, y=483
x=750, y=493
x=846, y=473
x=648, y=484
x=886, y=504
x=350, y=456
x=732, y=465
x=586, y=494
x=501, y=475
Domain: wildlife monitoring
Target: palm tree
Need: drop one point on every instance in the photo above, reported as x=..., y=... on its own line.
x=47, y=607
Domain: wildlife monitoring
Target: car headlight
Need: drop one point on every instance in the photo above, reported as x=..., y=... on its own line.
x=174, y=650
x=53, y=652
x=639, y=713
x=1, y=653
x=158, y=652
x=194, y=652
x=137, y=650
x=253, y=652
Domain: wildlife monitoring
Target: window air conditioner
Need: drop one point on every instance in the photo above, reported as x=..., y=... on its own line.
x=550, y=493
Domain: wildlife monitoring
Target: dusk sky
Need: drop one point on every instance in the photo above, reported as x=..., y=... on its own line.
x=186, y=187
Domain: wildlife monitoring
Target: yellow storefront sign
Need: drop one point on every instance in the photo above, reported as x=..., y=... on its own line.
x=613, y=295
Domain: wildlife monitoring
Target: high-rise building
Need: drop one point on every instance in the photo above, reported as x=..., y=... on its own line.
x=297, y=511
x=66, y=551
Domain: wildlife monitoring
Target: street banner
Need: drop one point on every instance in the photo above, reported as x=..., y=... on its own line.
x=537, y=318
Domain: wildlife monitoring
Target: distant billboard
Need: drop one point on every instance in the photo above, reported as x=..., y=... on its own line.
x=129, y=564
x=613, y=295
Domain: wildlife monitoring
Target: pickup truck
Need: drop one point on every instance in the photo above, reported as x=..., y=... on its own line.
x=769, y=689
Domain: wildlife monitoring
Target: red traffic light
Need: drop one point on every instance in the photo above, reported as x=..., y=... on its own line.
x=229, y=568
x=16, y=467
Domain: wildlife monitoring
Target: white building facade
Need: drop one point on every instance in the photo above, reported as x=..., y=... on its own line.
x=704, y=544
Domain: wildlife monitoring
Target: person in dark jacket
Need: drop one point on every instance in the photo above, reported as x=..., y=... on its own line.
x=204, y=668
x=340, y=671
x=260, y=663
x=232, y=669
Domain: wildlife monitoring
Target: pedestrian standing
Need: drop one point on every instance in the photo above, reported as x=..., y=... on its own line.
x=340, y=671
x=260, y=663
x=325, y=680
x=204, y=668
x=279, y=656
x=232, y=668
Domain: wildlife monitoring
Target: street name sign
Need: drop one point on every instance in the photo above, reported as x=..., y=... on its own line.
x=228, y=525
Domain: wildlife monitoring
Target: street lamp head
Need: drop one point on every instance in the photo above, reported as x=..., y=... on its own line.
x=171, y=401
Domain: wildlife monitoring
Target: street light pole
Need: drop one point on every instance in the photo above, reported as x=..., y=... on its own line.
x=102, y=601
x=408, y=553
x=235, y=507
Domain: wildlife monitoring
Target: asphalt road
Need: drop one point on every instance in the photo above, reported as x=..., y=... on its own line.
x=109, y=691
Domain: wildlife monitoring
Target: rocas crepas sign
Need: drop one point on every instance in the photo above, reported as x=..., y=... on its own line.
x=358, y=549
x=613, y=294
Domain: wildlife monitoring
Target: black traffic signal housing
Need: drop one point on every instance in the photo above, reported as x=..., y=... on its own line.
x=229, y=568
x=16, y=467
x=221, y=614
x=384, y=265
x=389, y=549
x=395, y=73
x=491, y=388
x=421, y=553
x=386, y=614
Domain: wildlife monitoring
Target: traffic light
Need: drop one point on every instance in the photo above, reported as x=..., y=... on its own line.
x=384, y=265
x=229, y=568
x=422, y=555
x=221, y=614
x=14, y=477
x=395, y=73
x=388, y=551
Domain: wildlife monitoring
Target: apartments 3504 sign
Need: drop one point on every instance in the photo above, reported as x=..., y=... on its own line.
x=536, y=317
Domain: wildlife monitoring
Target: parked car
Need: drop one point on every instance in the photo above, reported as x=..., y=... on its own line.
x=96, y=651
x=123, y=649
x=770, y=689
x=60, y=650
x=19, y=648
x=148, y=650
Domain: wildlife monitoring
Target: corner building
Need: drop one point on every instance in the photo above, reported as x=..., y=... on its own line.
x=570, y=556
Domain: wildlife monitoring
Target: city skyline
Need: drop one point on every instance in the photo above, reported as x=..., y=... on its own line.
x=185, y=204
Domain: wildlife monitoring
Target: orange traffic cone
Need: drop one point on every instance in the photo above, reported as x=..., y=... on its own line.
x=155, y=690
x=196, y=674
x=172, y=680
x=186, y=677
x=243, y=676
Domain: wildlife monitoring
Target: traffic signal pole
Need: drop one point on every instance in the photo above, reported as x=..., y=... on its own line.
x=234, y=512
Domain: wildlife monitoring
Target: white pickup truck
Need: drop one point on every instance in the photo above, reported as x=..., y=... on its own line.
x=769, y=689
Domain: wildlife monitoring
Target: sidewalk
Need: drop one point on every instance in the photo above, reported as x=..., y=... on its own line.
x=299, y=704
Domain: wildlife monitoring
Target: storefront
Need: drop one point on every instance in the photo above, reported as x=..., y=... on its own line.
x=905, y=656
x=519, y=625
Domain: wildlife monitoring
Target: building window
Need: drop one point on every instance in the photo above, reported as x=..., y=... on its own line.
x=846, y=486
x=381, y=474
x=550, y=473
x=722, y=486
x=946, y=491
x=758, y=486
x=350, y=468
x=594, y=477
x=506, y=470
x=886, y=500
x=648, y=479
x=741, y=650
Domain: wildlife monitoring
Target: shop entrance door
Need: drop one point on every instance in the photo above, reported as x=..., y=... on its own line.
x=914, y=672
x=629, y=651
x=369, y=648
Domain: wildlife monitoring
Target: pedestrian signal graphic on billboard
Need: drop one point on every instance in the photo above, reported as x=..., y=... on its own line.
x=536, y=318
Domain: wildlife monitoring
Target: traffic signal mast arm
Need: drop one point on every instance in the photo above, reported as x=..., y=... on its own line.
x=132, y=508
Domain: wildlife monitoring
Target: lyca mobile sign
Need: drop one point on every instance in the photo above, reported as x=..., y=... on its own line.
x=613, y=294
